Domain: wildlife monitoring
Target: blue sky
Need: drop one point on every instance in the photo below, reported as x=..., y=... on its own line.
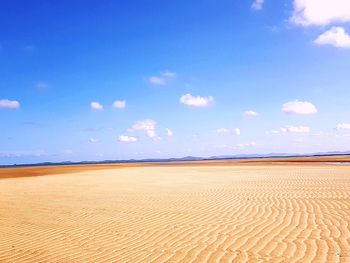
x=96, y=80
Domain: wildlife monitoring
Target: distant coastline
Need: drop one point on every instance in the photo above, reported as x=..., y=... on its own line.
x=344, y=157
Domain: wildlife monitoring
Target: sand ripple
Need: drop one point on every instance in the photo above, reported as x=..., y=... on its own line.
x=179, y=214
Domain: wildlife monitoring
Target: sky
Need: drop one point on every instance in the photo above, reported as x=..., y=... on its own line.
x=105, y=80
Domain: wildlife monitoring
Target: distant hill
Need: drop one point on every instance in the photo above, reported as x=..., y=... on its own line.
x=190, y=158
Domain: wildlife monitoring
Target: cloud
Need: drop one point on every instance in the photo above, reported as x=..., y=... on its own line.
x=276, y=131
x=157, y=81
x=237, y=131
x=299, y=107
x=147, y=125
x=168, y=74
x=93, y=140
x=223, y=131
x=320, y=12
x=251, y=113
x=9, y=104
x=96, y=106
x=169, y=132
x=151, y=133
x=126, y=138
x=295, y=129
x=119, y=104
x=336, y=36
x=144, y=125
x=257, y=5
x=343, y=126
x=196, y=101
x=162, y=79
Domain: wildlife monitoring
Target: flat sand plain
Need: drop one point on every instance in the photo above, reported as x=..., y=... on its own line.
x=198, y=212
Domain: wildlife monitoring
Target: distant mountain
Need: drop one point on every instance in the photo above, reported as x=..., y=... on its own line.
x=245, y=156
x=189, y=158
x=277, y=155
x=331, y=153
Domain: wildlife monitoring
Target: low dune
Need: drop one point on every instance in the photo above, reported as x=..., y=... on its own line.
x=177, y=213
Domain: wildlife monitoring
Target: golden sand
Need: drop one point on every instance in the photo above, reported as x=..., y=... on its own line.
x=254, y=213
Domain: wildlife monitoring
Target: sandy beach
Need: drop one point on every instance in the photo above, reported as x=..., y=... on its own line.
x=177, y=213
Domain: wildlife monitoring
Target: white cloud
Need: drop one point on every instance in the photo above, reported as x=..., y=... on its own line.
x=251, y=113
x=126, y=138
x=257, y=4
x=295, y=129
x=237, y=131
x=169, y=132
x=9, y=104
x=223, y=131
x=320, y=12
x=157, y=81
x=299, y=107
x=144, y=125
x=151, y=133
x=196, y=101
x=336, y=36
x=343, y=126
x=93, y=140
x=162, y=79
x=147, y=125
x=275, y=131
x=96, y=106
x=168, y=74
x=119, y=104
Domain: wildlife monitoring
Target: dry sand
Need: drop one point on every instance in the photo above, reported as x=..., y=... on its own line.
x=204, y=213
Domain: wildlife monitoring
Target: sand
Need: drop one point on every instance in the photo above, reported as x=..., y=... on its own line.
x=203, y=213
